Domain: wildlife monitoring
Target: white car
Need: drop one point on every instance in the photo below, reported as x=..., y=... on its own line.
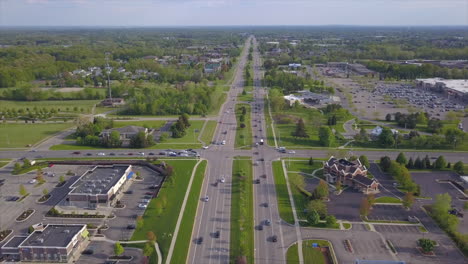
x=32, y=181
x=292, y=152
x=206, y=198
x=101, y=154
x=142, y=206
x=224, y=142
x=205, y=147
x=141, y=153
x=145, y=201
x=222, y=180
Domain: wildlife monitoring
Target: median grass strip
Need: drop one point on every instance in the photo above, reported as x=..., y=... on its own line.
x=208, y=132
x=244, y=130
x=284, y=204
x=186, y=226
x=388, y=199
x=3, y=163
x=163, y=223
x=242, y=226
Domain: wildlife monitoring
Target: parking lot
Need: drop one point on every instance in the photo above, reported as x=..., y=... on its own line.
x=385, y=212
x=397, y=229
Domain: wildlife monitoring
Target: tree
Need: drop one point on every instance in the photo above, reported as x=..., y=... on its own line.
x=364, y=161
x=40, y=176
x=148, y=249
x=385, y=163
x=454, y=136
x=113, y=141
x=331, y=220
x=118, y=249
x=300, y=129
x=141, y=140
x=61, y=178
x=151, y=236
x=17, y=168
x=22, y=190
x=139, y=222
x=45, y=192
x=408, y=200
x=318, y=206
x=440, y=163
x=388, y=117
x=410, y=164
x=371, y=199
x=458, y=167
x=365, y=207
x=418, y=164
x=321, y=191
x=326, y=137
x=313, y=217
x=426, y=244
x=401, y=158
x=427, y=162
x=311, y=161
x=158, y=208
x=386, y=138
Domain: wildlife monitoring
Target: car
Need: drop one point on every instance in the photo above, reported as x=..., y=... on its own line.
x=129, y=192
x=89, y=154
x=260, y=227
x=222, y=180
x=12, y=199
x=172, y=154
x=88, y=252
x=76, y=152
x=112, y=154
x=149, y=193
x=200, y=240
x=274, y=239
x=224, y=142
x=225, y=132
x=145, y=200
x=257, y=181
x=130, y=154
x=205, y=147
x=265, y=204
x=217, y=234
x=215, y=184
x=292, y=152
x=32, y=181
x=131, y=226
x=141, y=153
x=206, y=199
x=33, y=150
x=162, y=153
x=147, y=197
x=101, y=154
x=261, y=159
x=267, y=222
x=154, y=186
x=142, y=206
x=151, y=154
x=263, y=176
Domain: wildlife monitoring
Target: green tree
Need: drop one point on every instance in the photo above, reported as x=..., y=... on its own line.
x=148, y=249
x=385, y=163
x=45, y=192
x=418, y=164
x=364, y=161
x=408, y=200
x=459, y=167
x=61, y=178
x=326, y=137
x=22, y=190
x=17, y=168
x=318, y=206
x=321, y=191
x=313, y=217
x=401, y=158
x=454, y=136
x=118, y=249
x=311, y=161
x=426, y=244
x=114, y=140
x=440, y=163
x=300, y=129
x=386, y=138
x=410, y=164
x=331, y=220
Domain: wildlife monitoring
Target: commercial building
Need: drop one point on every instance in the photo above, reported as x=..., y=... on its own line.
x=126, y=133
x=99, y=185
x=351, y=173
x=50, y=243
x=454, y=88
x=308, y=98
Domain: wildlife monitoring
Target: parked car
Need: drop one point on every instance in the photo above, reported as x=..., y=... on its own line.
x=131, y=226
x=205, y=147
x=145, y=200
x=150, y=193
x=142, y=206
x=88, y=251
x=32, y=181
x=129, y=192
x=154, y=186
x=222, y=180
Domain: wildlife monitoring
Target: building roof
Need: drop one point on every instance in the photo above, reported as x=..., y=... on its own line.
x=14, y=242
x=454, y=84
x=99, y=180
x=53, y=236
x=363, y=180
x=126, y=130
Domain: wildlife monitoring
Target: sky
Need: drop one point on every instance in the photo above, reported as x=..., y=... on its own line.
x=231, y=12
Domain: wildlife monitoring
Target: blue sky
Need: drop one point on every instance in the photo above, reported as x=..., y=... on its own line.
x=231, y=12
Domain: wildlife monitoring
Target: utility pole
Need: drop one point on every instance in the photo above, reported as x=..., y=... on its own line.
x=108, y=70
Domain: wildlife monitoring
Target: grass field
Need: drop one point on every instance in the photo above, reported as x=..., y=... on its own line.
x=284, y=204
x=242, y=226
x=243, y=135
x=87, y=105
x=150, y=123
x=387, y=199
x=292, y=255
x=302, y=165
x=185, y=232
x=191, y=134
x=248, y=97
x=20, y=135
x=313, y=255
x=208, y=132
x=3, y=163
x=163, y=225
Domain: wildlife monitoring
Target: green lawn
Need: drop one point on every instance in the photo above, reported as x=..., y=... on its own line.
x=242, y=226
x=20, y=135
x=163, y=226
x=190, y=137
x=269, y=139
x=284, y=204
x=208, y=133
x=313, y=255
x=243, y=135
x=3, y=163
x=292, y=255
x=300, y=200
x=347, y=225
x=185, y=232
x=87, y=105
x=149, y=123
x=387, y=199
x=248, y=97
x=302, y=165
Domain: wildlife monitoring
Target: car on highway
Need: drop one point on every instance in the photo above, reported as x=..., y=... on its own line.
x=141, y=153
x=76, y=152
x=292, y=152
x=101, y=154
x=274, y=239
x=142, y=206
x=151, y=154
x=265, y=204
x=223, y=142
x=217, y=234
x=260, y=227
x=206, y=199
x=162, y=153
x=222, y=180
x=200, y=240
x=130, y=154
x=225, y=132
x=257, y=181
x=267, y=222
x=112, y=154
x=89, y=154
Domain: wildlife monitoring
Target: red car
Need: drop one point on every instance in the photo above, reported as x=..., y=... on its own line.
x=130, y=154
x=76, y=153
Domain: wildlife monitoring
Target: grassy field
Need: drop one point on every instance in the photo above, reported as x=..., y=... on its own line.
x=190, y=137
x=387, y=199
x=243, y=135
x=186, y=226
x=292, y=255
x=300, y=200
x=284, y=204
x=208, y=132
x=87, y=105
x=242, y=226
x=3, y=163
x=302, y=165
x=248, y=97
x=150, y=123
x=20, y=135
x=269, y=128
x=163, y=225
x=313, y=255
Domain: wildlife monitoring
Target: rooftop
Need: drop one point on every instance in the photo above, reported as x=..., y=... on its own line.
x=14, y=242
x=52, y=236
x=99, y=180
x=454, y=84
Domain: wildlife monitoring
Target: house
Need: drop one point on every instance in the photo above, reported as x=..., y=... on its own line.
x=350, y=173
x=126, y=133
x=112, y=102
x=56, y=243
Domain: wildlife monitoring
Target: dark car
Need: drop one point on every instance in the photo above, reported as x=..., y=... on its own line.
x=12, y=199
x=257, y=181
x=129, y=192
x=265, y=204
x=112, y=154
x=260, y=227
x=274, y=239
x=217, y=234
x=267, y=222
x=149, y=193
x=131, y=226
x=89, y=154
x=200, y=240
x=130, y=154
x=88, y=252
x=76, y=152
x=151, y=154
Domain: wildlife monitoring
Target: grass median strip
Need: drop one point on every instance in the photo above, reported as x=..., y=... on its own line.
x=242, y=226
x=284, y=204
x=388, y=199
x=208, y=132
x=186, y=226
x=244, y=129
x=162, y=221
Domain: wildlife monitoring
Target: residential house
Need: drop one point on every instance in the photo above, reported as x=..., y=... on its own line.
x=126, y=133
